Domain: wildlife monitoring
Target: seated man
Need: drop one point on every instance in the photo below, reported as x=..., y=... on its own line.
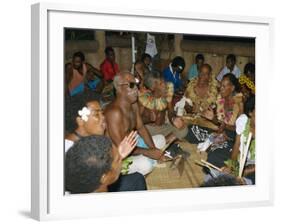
x=91, y=165
x=123, y=116
x=80, y=74
x=230, y=67
x=155, y=102
x=173, y=71
x=109, y=67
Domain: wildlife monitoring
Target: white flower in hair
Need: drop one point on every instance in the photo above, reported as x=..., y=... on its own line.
x=137, y=80
x=84, y=113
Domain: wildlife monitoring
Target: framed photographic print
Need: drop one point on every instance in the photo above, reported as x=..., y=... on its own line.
x=167, y=100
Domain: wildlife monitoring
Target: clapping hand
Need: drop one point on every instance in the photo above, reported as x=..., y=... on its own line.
x=128, y=144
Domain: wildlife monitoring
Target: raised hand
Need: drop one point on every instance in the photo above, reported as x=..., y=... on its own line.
x=128, y=144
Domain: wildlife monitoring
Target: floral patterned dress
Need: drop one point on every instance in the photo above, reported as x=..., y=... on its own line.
x=235, y=108
x=202, y=103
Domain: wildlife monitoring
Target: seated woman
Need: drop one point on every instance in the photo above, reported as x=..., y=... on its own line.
x=229, y=161
x=202, y=90
x=247, y=81
x=229, y=102
x=87, y=119
x=93, y=165
x=245, y=124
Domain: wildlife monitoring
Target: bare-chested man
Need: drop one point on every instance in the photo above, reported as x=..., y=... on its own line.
x=123, y=116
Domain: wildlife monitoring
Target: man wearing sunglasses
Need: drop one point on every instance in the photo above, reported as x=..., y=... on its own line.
x=123, y=116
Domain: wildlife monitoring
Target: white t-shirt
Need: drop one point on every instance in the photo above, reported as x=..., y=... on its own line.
x=236, y=71
x=67, y=145
x=241, y=123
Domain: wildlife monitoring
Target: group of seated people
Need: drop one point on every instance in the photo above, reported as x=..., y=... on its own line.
x=112, y=146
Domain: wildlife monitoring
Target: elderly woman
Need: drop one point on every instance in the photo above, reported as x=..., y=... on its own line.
x=202, y=90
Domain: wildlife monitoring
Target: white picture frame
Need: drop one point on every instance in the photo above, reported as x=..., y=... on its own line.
x=48, y=200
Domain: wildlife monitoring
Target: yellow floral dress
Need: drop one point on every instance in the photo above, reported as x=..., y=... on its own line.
x=202, y=103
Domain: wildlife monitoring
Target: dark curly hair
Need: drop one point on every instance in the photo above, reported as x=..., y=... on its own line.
x=234, y=81
x=178, y=61
x=249, y=68
x=73, y=104
x=144, y=56
x=108, y=49
x=199, y=57
x=231, y=57
x=86, y=162
x=221, y=180
x=150, y=76
x=249, y=105
x=80, y=55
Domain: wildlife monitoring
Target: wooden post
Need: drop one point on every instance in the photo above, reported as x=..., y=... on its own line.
x=177, y=44
x=100, y=37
